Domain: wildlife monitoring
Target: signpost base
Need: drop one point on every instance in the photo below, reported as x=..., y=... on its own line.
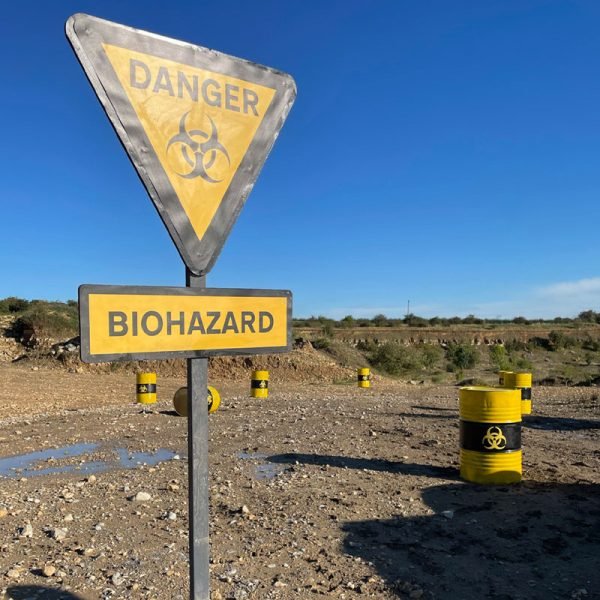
x=198, y=499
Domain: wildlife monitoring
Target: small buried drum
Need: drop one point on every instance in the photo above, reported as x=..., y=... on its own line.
x=364, y=378
x=181, y=396
x=213, y=398
x=490, y=435
x=259, y=386
x=145, y=388
x=522, y=381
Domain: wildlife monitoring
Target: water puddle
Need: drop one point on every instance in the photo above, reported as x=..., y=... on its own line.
x=35, y=464
x=265, y=469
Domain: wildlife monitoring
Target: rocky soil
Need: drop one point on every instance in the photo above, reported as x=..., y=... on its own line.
x=320, y=490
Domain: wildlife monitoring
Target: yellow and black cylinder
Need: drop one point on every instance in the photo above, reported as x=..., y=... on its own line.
x=502, y=377
x=490, y=435
x=363, y=377
x=180, y=400
x=145, y=388
x=214, y=399
x=259, y=386
x=522, y=381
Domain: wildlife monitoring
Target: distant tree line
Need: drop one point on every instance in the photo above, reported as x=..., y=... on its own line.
x=14, y=305
x=410, y=320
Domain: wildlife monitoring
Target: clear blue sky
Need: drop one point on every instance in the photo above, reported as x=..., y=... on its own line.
x=442, y=152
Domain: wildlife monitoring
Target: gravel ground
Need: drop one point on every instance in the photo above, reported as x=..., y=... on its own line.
x=321, y=490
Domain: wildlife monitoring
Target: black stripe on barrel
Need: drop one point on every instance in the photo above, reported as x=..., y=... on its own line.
x=145, y=388
x=490, y=437
x=259, y=384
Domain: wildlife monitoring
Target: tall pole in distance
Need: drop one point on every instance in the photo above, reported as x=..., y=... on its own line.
x=198, y=490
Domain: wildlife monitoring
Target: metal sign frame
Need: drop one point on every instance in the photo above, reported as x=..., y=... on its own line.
x=84, y=320
x=86, y=35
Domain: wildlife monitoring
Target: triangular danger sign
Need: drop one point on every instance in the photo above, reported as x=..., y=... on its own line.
x=197, y=124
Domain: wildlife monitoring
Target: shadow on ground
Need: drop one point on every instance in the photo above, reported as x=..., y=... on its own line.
x=436, y=408
x=560, y=423
x=373, y=464
x=28, y=592
x=497, y=542
x=427, y=416
x=169, y=413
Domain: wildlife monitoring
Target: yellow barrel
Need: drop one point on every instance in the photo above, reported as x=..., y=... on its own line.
x=214, y=399
x=181, y=405
x=145, y=388
x=490, y=435
x=502, y=375
x=509, y=379
x=259, y=387
x=522, y=381
x=364, y=378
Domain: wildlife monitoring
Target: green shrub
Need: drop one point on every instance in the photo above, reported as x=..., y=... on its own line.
x=430, y=355
x=523, y=363
x=366, y=345
x=322, y=343
x=461, y=356
x=348, y=321
x=591, y=344
x=13, y=305
x=48, y=319
x=589, y=316
x=394, y=359
x=380, y=321
x=499, y=357
x=472, y=320
x=328, y=329
x=520, y=321
x=414, y=321
x=559, y=340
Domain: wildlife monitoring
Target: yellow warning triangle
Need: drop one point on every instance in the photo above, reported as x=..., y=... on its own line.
x=196, y=124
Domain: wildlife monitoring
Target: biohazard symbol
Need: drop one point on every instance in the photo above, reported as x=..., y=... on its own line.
x=262, y=384
x=199, y=155
x=142, y=389
x=209, y=398
x=494, y=439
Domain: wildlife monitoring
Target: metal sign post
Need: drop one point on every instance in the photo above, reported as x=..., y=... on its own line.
x=198, y=486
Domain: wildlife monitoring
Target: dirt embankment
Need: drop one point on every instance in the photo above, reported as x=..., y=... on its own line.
x=470, y=334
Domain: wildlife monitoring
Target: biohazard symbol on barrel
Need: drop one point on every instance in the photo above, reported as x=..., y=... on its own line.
x=142, y=389
x=209, y=398
x=494, y=439
x=199, y=155
x=262, y=384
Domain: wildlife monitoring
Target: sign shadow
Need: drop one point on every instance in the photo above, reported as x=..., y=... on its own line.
x=533, y=540
x=24, y=592
x=372, y=464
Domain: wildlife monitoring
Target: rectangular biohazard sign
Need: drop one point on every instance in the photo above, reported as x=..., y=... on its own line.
x=197, y=124
x=142, y=323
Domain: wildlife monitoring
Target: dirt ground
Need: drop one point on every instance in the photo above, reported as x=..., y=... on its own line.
x=320, y=490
